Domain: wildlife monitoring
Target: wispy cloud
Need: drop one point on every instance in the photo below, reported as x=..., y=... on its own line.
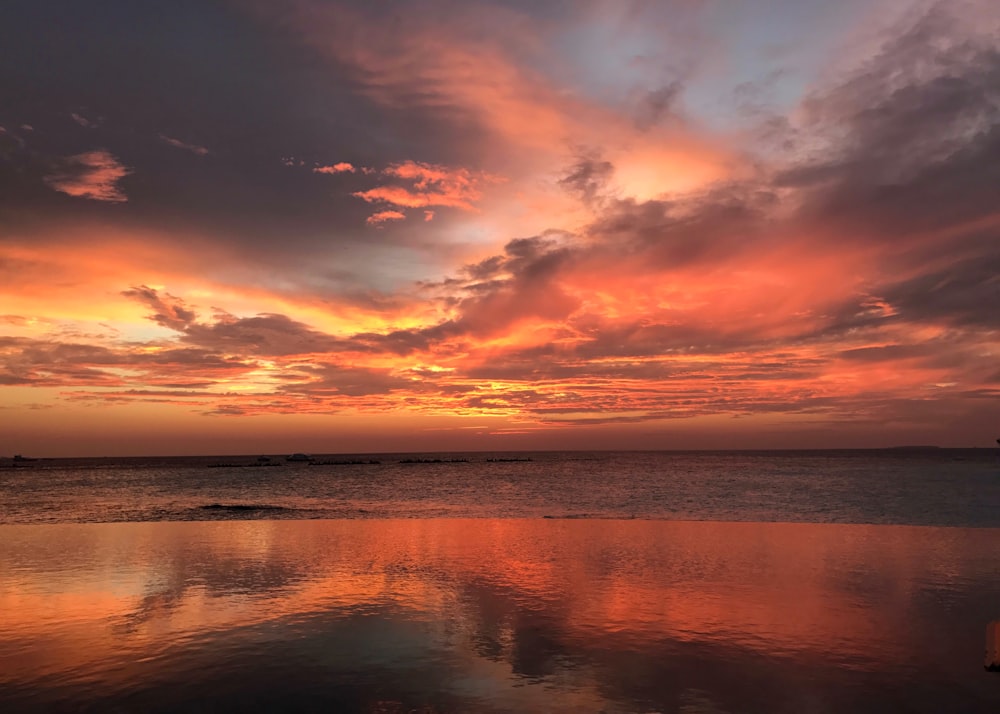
x=168, y=311
x=193, y=148
x=93, y=174
x=85, y=122
x=11, y=140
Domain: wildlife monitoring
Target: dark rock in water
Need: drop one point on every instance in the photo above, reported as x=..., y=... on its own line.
x=992, y=663
x=346, y=462
x=236, y=465
x=434, y=461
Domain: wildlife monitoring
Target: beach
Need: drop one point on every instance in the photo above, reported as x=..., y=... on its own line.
x=496, y=615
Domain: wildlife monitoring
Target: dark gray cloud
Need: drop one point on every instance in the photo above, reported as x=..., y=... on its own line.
x=242, y=86
x=658, y=105
x=261, y=335
x=588, y=178
x=53, y=363
x=918, y=134
x=168, y=311
x=332, y=380
x=966, y=293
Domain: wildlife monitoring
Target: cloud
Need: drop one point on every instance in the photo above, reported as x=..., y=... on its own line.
x=846, y=271
x=168, y=311
x=384, y=217
x=412, y=184
x=588, y=178
x=15, y=320
x=658, y=104
x=907, y=137
x=85, y=122
x=193, y=148
x=423, y=185
x=145, y=368
x=93, y=174
x=330, y=379
x=487, y=76
x=10, y=142
x=45, y=363
x=338, y=168
x=261, y=335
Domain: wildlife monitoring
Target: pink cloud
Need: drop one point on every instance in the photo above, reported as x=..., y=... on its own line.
x=338, y=168
x=428, y=216
x=93, y=174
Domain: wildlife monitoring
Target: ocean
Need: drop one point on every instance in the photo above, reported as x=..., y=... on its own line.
x=839, y=581
x=926, y=487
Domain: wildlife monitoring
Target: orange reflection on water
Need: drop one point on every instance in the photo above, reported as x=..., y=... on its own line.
x=113, y=604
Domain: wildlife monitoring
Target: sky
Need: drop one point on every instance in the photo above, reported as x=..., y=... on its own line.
x=336, y=227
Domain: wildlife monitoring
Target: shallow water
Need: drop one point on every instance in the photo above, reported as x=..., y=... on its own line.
x=496, y=616
x=941, y=487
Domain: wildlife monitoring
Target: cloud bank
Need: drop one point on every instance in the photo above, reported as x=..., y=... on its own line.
x=569, y=237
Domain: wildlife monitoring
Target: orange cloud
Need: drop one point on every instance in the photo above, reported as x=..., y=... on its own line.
x=384, y=217
x=93, y=174
x=338, y=168
x=472, y=70
x=426, y=185
x=655, y=272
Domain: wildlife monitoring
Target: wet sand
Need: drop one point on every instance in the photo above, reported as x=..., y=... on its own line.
x=496, y=615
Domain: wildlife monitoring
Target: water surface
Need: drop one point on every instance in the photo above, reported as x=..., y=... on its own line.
x=494, y=615
x=940, y=487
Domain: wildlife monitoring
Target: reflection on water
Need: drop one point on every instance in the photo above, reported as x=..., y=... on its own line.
x=496, y=615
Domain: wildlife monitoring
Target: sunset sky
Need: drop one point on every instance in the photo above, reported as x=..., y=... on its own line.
x=273, y=226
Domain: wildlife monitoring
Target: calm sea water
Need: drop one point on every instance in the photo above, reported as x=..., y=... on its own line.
x=496, y=615
x=941, y=487
x=635, y=582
